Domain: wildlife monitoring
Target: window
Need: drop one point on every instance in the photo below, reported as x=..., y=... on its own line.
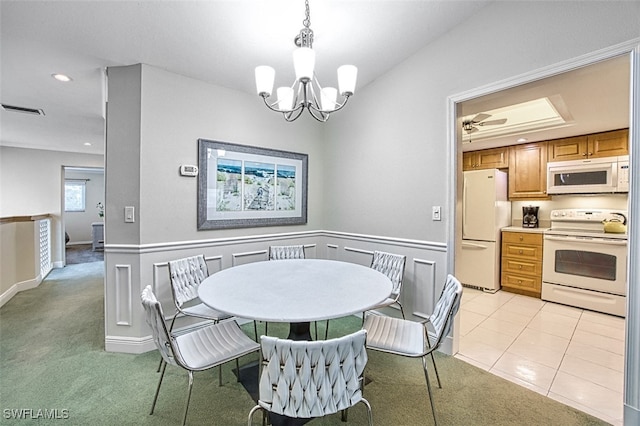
x=74, y=195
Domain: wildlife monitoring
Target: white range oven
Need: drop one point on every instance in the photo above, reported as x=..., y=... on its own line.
x=583, y=266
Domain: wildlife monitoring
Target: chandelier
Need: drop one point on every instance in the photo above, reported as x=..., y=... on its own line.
x=306, y=92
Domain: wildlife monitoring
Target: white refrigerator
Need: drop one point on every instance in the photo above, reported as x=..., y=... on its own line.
x=485, y=211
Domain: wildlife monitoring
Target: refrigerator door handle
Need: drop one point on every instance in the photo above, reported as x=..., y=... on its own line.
x=466, y=244
x=464, y=206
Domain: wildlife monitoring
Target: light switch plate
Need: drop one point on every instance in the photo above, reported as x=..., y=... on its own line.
x=435, y=213
x=129, y=214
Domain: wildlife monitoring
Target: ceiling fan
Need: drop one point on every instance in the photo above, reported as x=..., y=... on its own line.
x=471, y=126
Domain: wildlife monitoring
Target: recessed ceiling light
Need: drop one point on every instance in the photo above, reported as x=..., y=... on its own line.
x=87, y=144
x=522, y=140
x=62, y=77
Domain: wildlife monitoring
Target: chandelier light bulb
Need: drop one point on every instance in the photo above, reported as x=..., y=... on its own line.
x=347, y=76
x=285, y=98
x=328, y=98
x=265, y=76
x=304, y=61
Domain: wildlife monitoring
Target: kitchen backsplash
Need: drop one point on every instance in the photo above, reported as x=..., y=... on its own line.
x=608, y=201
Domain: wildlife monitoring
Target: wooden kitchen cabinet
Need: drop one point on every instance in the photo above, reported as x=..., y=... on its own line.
x=597, y=145
x=608, y=144
x=528, y=171
x=495, y=158
x=522, y=263
x=574, y=148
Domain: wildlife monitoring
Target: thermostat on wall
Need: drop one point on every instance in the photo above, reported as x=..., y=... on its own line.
x=189, y=170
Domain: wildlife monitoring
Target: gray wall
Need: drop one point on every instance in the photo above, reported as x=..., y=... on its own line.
x=395, y=142
x=175, y=111
x=154, y=121
x=387, y=158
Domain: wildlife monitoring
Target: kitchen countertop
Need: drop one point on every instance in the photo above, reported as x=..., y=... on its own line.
x=521, y=229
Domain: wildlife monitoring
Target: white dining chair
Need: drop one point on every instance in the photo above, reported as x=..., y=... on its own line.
x=392, y=265
x=200, y=349
x=411, y=339
x=309, y=379
x=286, y=252
x=185, y=276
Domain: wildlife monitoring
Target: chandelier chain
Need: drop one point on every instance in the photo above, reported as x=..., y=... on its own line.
x=307, y=20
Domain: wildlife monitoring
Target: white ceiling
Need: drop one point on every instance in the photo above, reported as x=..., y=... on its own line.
x=221, y=42
x=214, y=41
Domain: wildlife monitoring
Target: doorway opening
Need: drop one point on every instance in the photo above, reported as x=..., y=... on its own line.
x=555, y=84
x=83, y=214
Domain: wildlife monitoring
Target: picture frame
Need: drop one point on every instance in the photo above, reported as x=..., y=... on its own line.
x=242, y=186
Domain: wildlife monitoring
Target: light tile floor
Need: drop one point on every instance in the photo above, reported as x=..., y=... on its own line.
x=568, y=354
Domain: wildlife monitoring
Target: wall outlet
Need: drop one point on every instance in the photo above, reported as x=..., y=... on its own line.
x=435, y=213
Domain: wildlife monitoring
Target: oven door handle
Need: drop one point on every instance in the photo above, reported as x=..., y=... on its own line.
x=610, y=242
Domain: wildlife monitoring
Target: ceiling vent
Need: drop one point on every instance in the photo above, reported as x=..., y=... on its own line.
x=13, y=108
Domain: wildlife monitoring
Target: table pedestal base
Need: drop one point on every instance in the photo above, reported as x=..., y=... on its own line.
x=299, y=331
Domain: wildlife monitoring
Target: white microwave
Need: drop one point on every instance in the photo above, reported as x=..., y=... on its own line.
x=589, y=176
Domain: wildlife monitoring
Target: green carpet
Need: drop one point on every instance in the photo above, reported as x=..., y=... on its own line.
x=52, y=358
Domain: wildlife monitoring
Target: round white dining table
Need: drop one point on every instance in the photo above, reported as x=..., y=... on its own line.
x=295, y=291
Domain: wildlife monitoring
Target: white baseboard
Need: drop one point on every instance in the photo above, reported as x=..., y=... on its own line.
x=631, y=415
x=7, y=295
x=129, y=345
x=18, y=287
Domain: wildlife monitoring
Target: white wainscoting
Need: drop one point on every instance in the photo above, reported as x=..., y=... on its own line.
x=123, y=295
x=425, y=273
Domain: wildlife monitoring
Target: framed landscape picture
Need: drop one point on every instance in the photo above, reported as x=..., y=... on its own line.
x=246, y=186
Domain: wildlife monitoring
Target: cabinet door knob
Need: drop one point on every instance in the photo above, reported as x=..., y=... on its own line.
x=584, y=154
x=520, y=251
x=519, y=266
x=521, y=238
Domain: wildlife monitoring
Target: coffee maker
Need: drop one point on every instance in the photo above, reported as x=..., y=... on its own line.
x=530, y=216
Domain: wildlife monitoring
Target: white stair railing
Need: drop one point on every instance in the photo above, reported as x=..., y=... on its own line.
x=45, y=247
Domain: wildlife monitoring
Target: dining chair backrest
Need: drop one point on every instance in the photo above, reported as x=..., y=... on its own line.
x=446, y=308
x=286, y=252
x=155, y=319
x=305, y=379
x=186, y=274
x=392, y=265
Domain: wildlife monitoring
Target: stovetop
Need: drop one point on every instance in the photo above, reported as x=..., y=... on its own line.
x=584, y=233
x=584, y=223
